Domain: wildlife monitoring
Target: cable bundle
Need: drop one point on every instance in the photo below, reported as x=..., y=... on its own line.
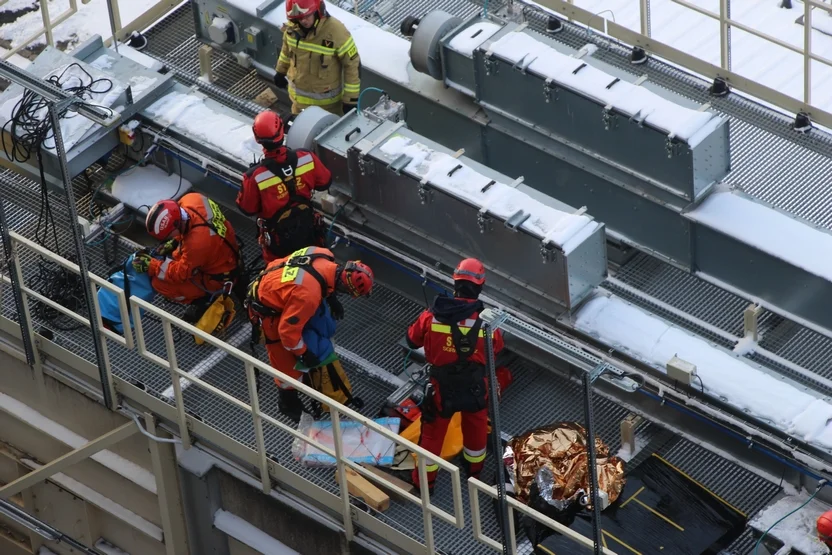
x=28, y=130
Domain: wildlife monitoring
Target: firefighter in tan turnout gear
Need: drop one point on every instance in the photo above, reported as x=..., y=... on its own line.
x=319, y=62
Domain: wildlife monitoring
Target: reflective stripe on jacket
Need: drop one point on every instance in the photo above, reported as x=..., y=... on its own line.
x=323, y=66
x=437, y=339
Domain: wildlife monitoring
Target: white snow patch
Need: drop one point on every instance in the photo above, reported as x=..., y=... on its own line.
x=116, y=463
x=800, y=529
x=745, y=345
x=502, y=200
x=653, y=341
x=90, y=19
x=634, y=100
x=104, y=61
x=143, y=187
x=470, y=38
x=17, y=5
x=73, y=126
x=626, y=454
x=140, y=57
x=192, y=116
x=107, y=548
x=767, y=229
x=104, y=503
x=250, y=535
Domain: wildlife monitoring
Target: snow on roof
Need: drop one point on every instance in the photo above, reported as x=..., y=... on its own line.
x=142, y=187
x=767, y=229
x=500, y=199
x=633, y=100
x=249, y=534
x=752, y=57
x=468, y=39
x=381, y=51
x=799, y=530
x=189, y=114
x=91, y=19
x=725, y=376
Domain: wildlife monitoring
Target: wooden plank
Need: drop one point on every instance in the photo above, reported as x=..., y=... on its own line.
x=359, y=486
x=390, y=479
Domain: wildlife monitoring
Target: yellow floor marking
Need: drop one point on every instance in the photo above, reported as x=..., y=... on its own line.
x=660, y=515
x=621, y=542
x=700, y=485
x=633, y=496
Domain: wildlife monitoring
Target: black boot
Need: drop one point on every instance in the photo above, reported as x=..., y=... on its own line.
x=196, y=309
x=290, y=404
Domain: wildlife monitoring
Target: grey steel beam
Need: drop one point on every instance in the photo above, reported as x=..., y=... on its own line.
x=41, y=528
x=77, y=455
x=165, y=469
x=496, y=442
x=101, y=358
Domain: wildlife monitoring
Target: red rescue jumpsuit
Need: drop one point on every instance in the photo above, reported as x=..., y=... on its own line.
x=293, y=295
x=207, y=255
x=279, y=190
x=434, y=330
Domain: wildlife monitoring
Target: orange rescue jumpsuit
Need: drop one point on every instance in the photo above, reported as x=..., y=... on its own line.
x=205, y=258
x=295, y=293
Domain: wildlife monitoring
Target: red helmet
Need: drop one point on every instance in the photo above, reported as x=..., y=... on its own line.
x=824, y=525
x=162, y=219
x=471, y=270
x=269, y=130
x=357, y=278
x=298, y=9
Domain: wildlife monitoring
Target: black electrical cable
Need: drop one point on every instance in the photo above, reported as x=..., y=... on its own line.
x=701, y=384
x=29, y=129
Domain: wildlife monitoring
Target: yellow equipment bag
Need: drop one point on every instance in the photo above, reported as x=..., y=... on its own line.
x=453, y=439
x=331, y=380
x=218, y=316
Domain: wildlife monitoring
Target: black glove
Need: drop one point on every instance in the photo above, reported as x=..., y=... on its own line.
x=280, y=81
x=309, y=360
x=335, y=307
x=347, y=107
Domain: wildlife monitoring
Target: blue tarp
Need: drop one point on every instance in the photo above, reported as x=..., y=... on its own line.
x=137, y=285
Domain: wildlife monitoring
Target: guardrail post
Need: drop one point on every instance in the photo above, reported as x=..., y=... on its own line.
x=47, y=23
x=588, y=378
x=807, y=52
x=496, y=442
x=644, y=10
x=115, y=20
x=184, y=433
x=105, y=375
x=342, y=471
x=427, y=517
x=20, y=300
x=254, y=398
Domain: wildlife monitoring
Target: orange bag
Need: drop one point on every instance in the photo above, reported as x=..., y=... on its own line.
x=453, y=439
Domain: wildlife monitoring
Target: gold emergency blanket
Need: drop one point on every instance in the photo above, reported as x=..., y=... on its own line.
x=562, y=448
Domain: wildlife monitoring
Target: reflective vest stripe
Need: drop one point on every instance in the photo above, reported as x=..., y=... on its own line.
x=315, y=99
x=306, y=168
x=269, y=183
x=163, y=269
x=348, y=48
x=446, y=329
x=473, y=456
x=432, y=467
x=283, y=58
x=262, y=176
x=352, y=87
x=312, y=47
x=305, y=159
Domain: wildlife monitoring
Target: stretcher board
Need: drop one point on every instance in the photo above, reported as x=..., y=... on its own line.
x=661, y=511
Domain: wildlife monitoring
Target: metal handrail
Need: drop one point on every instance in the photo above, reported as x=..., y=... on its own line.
x=701, y=67
x=476, y=486
x=337, y=410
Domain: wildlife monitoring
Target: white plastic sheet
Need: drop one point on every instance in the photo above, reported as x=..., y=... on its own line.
x=361, y=444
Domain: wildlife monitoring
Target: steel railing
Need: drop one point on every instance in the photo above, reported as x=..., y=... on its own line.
x=139, y=309
x=121, y=31
x=724, y=70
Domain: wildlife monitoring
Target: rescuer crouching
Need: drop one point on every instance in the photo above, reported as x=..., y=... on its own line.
x=198, y=257
x=318, y=62
x=286, y=295
x=450, y=331
x=278, y=191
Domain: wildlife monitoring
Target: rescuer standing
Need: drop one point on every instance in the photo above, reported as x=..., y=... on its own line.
x=450, y=331
x=278, y=190
x=283, y=298
x=199, y=256
x=319, y=61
